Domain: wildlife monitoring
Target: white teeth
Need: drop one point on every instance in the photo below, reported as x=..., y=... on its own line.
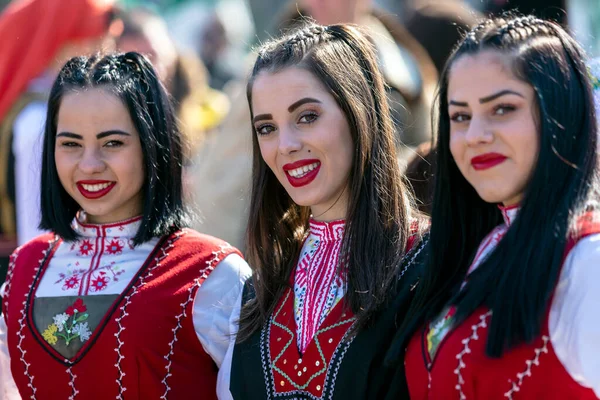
x=300, y=172
x=95, y=188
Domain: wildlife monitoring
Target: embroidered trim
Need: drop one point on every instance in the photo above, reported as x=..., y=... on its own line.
x=413, y=257
x=9, y=273
x=461, y=365
x=23, y=318
x=516, y=386
x=337, y=362
x=134, y=289
x=210, y=266
x=72, y=383
x=330, y=370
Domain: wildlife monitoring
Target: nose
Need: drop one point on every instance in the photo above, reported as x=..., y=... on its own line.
x=478, y=132
x=289, y=141
x=91, y=162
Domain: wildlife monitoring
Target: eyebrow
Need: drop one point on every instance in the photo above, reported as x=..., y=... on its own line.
x=291, y=108
x=262, y=117
x=100, y=135
x=302, y=101
x=487, y=99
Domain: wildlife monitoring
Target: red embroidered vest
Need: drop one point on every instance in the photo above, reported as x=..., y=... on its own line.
x=146, y=346
x=461, y=369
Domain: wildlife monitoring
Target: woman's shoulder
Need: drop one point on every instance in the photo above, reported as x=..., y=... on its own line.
x=194, y=239
x=37, y=244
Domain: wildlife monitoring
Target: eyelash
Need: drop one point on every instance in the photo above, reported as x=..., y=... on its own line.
x=506, y=107
x=109, y=144
x=311, y=117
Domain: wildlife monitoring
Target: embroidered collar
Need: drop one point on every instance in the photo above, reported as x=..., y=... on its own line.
x=327, y=231
x=125, y=229
x=509, y=214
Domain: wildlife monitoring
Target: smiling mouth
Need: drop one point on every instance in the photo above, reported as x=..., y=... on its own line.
x=302, y=175
x=302, y=171
x=95, y=190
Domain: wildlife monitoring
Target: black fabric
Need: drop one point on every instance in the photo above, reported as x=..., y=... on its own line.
x=361, y=374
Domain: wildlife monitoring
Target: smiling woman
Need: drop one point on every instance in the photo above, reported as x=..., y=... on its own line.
x=119, y=262
x=99, y=156
x=507, y=305
x=330, y=223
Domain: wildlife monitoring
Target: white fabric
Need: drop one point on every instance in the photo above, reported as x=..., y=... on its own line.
x=574, y=324
x=216, y=310
x=103, y=261
x=28, y=133
x=216, y=302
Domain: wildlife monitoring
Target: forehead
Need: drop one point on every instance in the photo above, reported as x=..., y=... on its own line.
x=92, y=111
x=483, y=74
x=282, y=88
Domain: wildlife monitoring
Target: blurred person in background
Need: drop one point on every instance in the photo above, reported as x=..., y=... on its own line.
x=439, y=25
x=213, y=44
x=38, y=36
x=198, y=107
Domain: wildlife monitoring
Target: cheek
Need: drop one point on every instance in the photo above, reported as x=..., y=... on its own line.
x=456, y=148
x=268, y=152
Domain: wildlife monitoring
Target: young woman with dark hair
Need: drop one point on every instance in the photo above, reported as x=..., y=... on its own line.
x=330, y=223
x=507, y=305
x=120, y=300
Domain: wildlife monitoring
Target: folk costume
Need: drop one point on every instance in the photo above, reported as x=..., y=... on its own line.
x=306, y=349
x=100, y=318
x=445, y=360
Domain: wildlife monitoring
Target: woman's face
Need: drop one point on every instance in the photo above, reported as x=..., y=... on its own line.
x=98, y=156
x=493, y=134
x=304, y=139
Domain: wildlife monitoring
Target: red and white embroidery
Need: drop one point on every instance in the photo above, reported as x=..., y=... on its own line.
x=98, y=263
x=467, y=350
x=203, y=274
x=163, y=253
x=317, y=283
x=516, y=385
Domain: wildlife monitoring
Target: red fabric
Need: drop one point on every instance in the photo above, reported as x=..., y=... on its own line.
x=462, y=370
x=33, y=31
x=157, y=312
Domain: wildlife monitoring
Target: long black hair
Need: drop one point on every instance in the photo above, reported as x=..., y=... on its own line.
x=379, y=211
x=131, y=78
x=517, y=280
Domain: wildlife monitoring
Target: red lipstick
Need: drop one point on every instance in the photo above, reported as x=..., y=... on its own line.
x=95, y=194
x=307, y=177
x=487, y=160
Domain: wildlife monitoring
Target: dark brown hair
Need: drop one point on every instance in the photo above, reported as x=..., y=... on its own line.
x=377, y=219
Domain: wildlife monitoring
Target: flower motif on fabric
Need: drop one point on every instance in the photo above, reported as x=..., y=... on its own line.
x=69, y=325
x=71, y=282
x=85, y=248
x=114, y=247
x=99, y=282
x=438, y=330
x=50, y=334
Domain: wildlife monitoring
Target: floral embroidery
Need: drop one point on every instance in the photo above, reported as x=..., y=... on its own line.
x=438, y=331
x=85, y=247
x=69, y=325
x=50, y=334
x=114, y=247
x=100, y=282
x=71, y=283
